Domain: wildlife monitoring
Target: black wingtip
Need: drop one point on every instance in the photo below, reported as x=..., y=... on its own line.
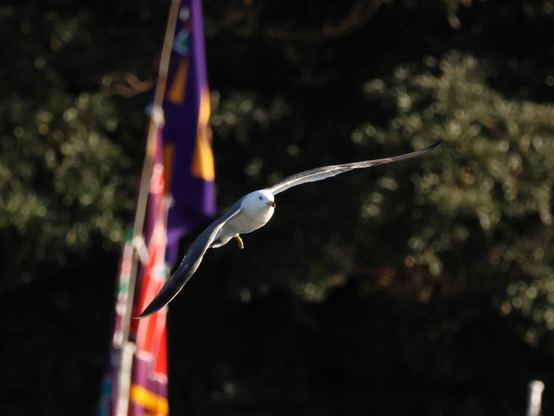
x=406, y=156
x=166, y=294
x=150, y=310
x=426, y=150
x=435, y=145
x=432, y=147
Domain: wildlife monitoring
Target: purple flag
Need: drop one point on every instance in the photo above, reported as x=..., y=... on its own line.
x=188, y=156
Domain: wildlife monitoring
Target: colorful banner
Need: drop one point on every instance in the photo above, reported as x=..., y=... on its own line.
x=109, y=389
x=148, y=383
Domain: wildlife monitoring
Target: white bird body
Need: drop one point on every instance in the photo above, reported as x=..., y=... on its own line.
x=248, y=214
x=256, y=209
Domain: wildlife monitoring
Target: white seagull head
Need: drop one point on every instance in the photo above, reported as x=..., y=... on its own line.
x=258, y=201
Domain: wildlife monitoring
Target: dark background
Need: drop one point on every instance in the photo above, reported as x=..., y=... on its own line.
x=423, y=288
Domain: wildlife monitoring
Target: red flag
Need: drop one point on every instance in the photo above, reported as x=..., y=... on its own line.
x=148, y=391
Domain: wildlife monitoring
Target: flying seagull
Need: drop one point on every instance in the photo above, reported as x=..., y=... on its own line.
x=248, y=214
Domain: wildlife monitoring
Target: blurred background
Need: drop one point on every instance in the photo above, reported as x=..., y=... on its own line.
x=420, y=288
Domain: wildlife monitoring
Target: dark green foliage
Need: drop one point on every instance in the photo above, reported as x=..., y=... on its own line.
x=424, y=287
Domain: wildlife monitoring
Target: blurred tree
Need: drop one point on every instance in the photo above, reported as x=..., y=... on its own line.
x=490, y=194
x=67, y=179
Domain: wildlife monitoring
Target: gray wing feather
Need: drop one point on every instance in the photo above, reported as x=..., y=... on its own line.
x=190, y=263
x=325, y=172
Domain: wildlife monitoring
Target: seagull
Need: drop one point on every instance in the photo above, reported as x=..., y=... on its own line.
x=248, y=214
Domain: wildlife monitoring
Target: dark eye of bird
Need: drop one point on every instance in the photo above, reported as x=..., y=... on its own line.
x=260, y=198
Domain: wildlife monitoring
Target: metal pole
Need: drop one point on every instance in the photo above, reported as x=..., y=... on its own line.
x=156, y=122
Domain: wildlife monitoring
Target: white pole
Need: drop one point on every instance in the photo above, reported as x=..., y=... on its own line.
x=536, y=388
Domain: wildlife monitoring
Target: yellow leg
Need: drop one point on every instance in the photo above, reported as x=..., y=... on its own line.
x=239, y=241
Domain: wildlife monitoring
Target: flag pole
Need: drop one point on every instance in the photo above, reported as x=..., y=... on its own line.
x=156, y=122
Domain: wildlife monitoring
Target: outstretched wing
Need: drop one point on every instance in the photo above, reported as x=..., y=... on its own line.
x=190, y=263
x=325, y=172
